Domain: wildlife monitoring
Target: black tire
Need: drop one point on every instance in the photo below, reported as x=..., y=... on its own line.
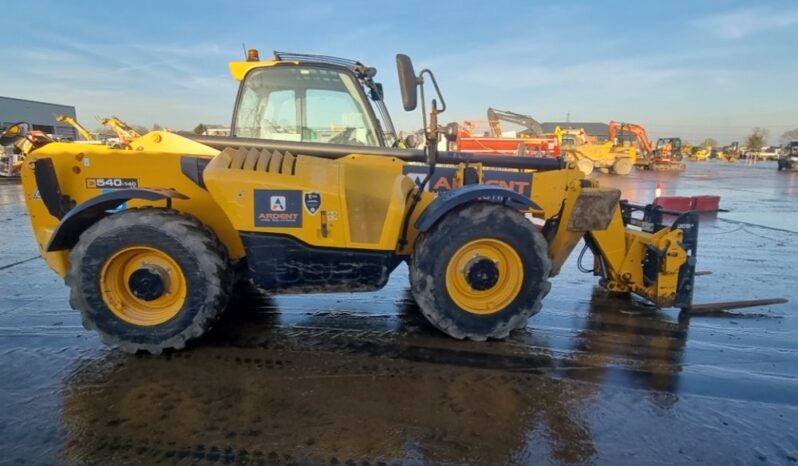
x=622, y=166
x=435, y=248
x=202, y=258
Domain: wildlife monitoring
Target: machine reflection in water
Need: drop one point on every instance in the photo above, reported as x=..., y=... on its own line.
x=378, y=389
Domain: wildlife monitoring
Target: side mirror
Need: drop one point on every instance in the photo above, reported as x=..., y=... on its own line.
x=408, y=82
x=13, y=133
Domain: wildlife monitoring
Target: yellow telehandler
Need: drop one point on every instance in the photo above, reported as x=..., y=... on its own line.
x=312, y=193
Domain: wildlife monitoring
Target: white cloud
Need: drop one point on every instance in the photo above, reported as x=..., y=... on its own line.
x=744, y=22
x=553, y=76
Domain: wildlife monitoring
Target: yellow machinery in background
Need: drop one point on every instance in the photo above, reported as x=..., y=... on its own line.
x=16, y=141
x=665, y=155
x=699, y=153
x=311, y=194
x=83, y=132
x=124, y=132
x=495, y=117
x=608, y=157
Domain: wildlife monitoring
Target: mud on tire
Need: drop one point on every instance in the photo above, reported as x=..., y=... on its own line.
x=436, y=248
x=202, y=258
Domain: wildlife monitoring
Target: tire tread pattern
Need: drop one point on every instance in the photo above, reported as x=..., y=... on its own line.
x=209, y=251
x=470, y=216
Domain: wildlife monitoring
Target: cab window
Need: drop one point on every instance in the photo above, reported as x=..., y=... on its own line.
x=304, y=104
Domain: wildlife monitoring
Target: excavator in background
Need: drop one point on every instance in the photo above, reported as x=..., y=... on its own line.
x=608, y=157
x=666, y=155
x=528, y=142
x=495, y=118
x=84, y=133
x=123, y=131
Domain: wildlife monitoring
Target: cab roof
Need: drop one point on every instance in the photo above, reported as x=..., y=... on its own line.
x=239, y=69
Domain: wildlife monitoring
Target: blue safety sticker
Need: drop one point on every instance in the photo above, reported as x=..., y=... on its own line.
x=312, y=202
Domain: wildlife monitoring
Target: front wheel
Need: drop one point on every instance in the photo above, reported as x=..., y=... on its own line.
x=585, y=166
x=622, y=167
x=149, y=279
x=480, y=272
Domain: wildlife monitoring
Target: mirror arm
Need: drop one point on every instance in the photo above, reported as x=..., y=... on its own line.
x=435, y=85
x=423, y=109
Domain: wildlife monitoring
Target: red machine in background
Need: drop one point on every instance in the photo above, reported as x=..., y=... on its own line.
x=528, y=142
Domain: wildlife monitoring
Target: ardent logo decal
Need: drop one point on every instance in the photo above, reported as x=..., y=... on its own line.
x=278, y=203
x=278, y=208
x=443, y=179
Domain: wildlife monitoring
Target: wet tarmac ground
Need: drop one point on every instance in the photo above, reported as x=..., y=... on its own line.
x=362, y=379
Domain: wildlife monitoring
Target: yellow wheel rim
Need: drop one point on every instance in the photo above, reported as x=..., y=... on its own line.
x=484, y=276
x=143, y=285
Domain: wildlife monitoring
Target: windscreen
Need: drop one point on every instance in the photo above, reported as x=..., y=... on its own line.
x=304, y=104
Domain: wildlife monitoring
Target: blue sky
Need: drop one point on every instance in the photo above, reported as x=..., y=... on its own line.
x=693, y=69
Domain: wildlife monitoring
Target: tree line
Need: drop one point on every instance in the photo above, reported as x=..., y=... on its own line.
x=757, y=138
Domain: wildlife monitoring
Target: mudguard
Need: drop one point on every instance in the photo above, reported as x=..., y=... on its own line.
x=446, y=201
x=84, y=215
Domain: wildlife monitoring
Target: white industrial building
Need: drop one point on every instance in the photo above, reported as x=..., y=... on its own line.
x=40, y=115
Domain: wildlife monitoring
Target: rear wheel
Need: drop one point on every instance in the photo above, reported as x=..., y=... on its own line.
x=480, y=272
x=149, y=279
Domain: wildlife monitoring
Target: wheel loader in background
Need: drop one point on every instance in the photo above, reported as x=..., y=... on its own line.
x=312, y=194
x=608, y=157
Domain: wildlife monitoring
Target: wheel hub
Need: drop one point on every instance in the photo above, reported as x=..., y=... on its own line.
x=143, y=285
x=482, y=273
x=484, y=276
x=149, y=282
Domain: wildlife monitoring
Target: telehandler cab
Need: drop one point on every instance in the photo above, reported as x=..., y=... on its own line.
x=311, y=193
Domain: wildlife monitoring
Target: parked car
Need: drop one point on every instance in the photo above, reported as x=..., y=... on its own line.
x=789, y=159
